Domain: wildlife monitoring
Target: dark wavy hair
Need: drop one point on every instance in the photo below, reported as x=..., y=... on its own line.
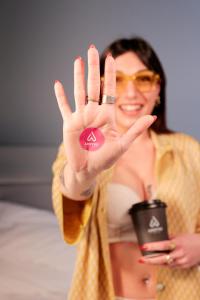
x=150, y=59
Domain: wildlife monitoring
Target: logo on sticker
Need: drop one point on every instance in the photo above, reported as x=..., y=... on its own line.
x=91, y=139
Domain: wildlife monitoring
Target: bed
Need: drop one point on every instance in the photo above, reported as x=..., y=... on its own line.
x=35, y=262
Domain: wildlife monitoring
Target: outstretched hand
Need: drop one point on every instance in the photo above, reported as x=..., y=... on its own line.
x=91, y=116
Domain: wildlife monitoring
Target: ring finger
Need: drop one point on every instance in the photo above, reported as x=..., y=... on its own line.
x=166, y=259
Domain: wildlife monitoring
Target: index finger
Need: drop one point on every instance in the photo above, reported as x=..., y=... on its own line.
x=109, y=84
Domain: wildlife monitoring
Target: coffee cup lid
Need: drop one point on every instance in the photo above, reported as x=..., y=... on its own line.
x=155, y=203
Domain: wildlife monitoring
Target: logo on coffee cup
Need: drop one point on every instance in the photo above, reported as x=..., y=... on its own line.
x=154, y=225
x=154, y=222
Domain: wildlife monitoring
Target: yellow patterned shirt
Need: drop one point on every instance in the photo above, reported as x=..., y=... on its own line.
x=177, y=172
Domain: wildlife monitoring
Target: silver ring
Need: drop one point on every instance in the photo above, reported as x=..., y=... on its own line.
x=168, y=259
x=108, y=99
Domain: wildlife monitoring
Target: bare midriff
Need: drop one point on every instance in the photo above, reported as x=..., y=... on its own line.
x=131, y=279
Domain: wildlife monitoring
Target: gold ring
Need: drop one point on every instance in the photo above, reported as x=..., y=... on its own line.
x=90, y=99
x=93, y=100
x=168, y=259
x=108, y=99
x=172, y=246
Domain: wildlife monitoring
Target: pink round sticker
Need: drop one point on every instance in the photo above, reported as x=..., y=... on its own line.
x=91, y=139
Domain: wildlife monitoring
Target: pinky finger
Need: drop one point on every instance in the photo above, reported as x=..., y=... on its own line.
x=62, y=100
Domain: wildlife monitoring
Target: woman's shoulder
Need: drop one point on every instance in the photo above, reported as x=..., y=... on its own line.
x=181, y=141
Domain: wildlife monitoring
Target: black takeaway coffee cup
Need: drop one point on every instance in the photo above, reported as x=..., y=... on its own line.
x=150, y=223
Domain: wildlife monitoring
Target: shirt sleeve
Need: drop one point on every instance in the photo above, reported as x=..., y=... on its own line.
x=72, y=215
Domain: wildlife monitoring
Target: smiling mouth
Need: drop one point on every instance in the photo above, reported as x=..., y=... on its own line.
x=131, y=107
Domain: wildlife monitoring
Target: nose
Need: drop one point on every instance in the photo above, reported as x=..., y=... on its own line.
x=131, y=89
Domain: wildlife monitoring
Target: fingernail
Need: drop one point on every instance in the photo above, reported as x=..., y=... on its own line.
x=155, y=117
x=143, y=247
x=141, y=261
x=78, y=57
x=56, y=81
x=109, y=54
x=92, y=46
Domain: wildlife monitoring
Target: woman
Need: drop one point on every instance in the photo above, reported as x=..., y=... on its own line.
x=116, y=154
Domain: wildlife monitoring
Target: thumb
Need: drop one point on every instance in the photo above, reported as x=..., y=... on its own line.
x=136, y=129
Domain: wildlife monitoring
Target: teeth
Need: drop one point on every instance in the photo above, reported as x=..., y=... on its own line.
x=131, y=107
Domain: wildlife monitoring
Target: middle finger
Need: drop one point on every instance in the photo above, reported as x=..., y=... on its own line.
x=167, y=245
x=93, y=85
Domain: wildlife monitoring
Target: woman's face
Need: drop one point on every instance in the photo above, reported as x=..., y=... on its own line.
x=131, y=103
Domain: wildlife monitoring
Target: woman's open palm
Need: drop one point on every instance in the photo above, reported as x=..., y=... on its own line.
x=94, y=119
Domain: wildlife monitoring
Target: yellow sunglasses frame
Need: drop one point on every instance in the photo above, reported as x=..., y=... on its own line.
x=155, y=77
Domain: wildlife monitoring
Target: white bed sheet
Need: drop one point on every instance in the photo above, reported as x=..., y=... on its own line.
x=35, y=263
